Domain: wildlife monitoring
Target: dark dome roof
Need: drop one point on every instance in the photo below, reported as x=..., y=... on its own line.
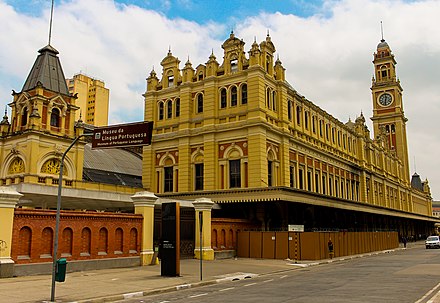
x=383, y=44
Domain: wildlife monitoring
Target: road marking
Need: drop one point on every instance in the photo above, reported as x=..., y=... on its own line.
x=299, y=264
x=199, y=295
x=270, y=280
x=428, y=293
x=225, y=289
x=164, y=301
x=282, y=277
x=250, y=284
x=133, y=294
x=183, y=286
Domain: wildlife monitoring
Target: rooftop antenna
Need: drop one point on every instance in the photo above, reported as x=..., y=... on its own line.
x=415, y=165
x=50, y=24
x=381, y=31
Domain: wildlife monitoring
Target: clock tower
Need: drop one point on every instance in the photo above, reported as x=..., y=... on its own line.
x=388, y=115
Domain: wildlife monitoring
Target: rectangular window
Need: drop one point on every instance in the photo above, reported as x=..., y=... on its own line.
x=306, y=120
x=177, y=101
x=199, y=176
x=234, y=174
x=234, y=65
x=234, y=96
x=323, y=184
x=309, y=180
x=333, y=135
x=330, y=186
x=223, y=98
x=317, y=182
x=168, y=179
x=170, y=81
x=292, y=176
x=301, y=178
x=244, y=94
x=269, y=173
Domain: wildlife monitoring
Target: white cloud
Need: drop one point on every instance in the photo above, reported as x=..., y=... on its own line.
x=327, y=56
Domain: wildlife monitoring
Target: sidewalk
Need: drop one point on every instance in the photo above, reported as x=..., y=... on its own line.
x=117, y=284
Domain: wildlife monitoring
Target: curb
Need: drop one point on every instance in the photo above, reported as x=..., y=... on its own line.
x=148, y=292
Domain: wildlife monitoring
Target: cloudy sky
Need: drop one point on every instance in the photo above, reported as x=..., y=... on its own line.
x=326, y=47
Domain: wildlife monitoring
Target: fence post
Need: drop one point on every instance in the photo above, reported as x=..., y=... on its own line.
x=144, y=205
x=8, y=199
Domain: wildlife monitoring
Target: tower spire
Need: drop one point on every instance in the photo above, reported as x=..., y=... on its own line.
x=50, y=23
x=381, y=31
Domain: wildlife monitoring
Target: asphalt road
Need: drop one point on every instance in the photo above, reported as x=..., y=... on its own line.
x=411, y=276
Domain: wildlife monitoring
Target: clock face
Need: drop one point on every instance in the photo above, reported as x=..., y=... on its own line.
x=385, y=99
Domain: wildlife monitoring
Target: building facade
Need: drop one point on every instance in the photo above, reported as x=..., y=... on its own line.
x=92, y=99
x=239, y=133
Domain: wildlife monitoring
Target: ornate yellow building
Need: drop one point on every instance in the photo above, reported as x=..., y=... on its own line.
x=237, y=132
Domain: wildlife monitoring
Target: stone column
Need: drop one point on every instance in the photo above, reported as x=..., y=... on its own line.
x=204, y=206
x=144, y=205
x=8, y=199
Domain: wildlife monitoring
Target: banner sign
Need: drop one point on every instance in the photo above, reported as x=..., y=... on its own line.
x=123, y=135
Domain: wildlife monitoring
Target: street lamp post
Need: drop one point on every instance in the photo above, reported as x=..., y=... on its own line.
x=57, y=224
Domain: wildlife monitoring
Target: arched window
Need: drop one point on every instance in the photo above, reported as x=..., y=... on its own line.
x=234, y=96
x=86, y=236
x=274, y=100
x=306, y=119
x=55, y=117
x=133, y=241
x=223, y=98
x=161, y=109
x=167, y=176
x=169, y=109
x=24, y=116
x=199, y=103
x=267, y=63
x=24, y=243
x=268, y=95
x=177, y=107
x=289, y=110
x=244, y=94
x=119, y=240
x=103, y=241
x=230, y=239
x=214, y=243
x=223, y=239
x=67, y=242
x=46, y=243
